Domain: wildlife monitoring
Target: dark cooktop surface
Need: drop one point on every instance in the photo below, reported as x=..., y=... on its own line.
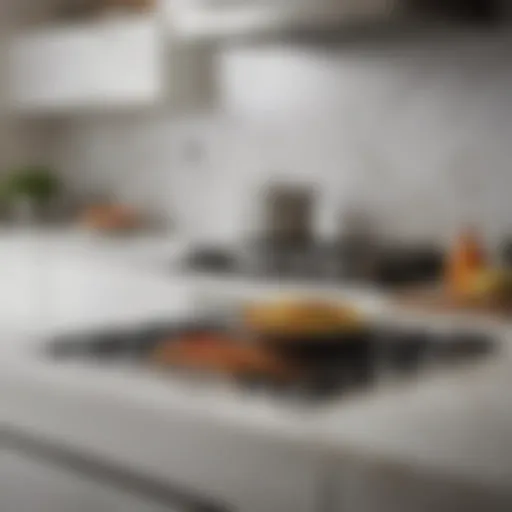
x=334, y=370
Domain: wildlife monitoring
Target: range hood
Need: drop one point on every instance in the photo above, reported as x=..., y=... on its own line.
x=224, y=18
x=211, y=19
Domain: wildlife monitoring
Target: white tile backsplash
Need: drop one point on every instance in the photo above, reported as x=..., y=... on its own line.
x=418, y=132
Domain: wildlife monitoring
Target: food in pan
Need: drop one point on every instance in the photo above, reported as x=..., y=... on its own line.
x=219, y=354
x=303, y=317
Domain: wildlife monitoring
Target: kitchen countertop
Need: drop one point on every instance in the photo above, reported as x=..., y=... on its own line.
x=143, y=247
x=458, y=424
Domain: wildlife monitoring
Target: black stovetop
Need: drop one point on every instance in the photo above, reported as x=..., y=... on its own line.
x=383, y=352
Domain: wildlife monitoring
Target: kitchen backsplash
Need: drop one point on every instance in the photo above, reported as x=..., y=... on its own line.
x=418, y=131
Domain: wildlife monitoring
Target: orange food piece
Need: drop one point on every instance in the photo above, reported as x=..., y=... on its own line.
x=110, y=217
x=466, y=259
x=219, y=354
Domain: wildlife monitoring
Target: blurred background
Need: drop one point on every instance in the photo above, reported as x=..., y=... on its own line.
x=255, y=255
x=185, y=111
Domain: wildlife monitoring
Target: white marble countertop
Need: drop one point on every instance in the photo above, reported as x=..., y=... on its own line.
x=458, y=423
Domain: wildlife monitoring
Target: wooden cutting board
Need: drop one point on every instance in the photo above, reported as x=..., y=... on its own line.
x=437, y=301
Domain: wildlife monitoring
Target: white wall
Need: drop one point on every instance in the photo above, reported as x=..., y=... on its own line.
x=417, y=130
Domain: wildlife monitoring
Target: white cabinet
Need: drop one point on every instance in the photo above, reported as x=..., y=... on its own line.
x=366, y=485
x=109, y=63
x=121, y=63
x=31, y=485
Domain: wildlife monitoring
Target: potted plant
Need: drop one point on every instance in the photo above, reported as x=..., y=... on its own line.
x=29, y=190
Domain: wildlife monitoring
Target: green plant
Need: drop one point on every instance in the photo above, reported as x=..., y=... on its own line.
x=38, y=184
